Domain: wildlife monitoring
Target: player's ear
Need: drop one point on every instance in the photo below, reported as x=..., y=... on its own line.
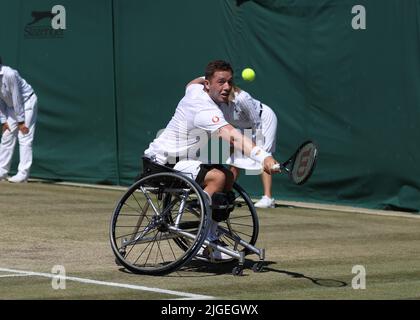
x=206, y=85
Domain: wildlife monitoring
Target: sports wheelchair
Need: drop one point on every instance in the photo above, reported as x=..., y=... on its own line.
x=162, y=221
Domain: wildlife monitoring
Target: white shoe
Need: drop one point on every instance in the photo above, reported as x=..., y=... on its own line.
x=213, y=255
x=3, y=176
x=265, y=202
x=18, y=178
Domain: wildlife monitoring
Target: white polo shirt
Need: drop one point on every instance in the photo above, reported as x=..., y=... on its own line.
x=14, y=92
x=196, y=117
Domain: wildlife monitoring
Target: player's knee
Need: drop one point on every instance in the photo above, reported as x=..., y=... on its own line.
x=217, y=176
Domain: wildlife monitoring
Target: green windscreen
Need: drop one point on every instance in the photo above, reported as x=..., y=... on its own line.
x=344, y=74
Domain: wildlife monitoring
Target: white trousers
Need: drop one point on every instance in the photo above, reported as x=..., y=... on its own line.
x=9, y=137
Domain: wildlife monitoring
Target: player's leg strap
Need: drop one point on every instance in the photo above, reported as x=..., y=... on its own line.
x=222, y=205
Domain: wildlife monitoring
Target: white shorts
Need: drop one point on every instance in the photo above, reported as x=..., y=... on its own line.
x=189, y=168
x=269, y=132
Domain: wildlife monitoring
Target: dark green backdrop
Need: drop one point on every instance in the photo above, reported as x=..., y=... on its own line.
x=115, y=75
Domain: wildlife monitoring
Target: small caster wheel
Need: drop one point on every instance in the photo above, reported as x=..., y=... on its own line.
x=257, y=267
x=238, y=271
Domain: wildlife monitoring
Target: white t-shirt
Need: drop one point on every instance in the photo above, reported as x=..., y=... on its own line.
x=196, y=117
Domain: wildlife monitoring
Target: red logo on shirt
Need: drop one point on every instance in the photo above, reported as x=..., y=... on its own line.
x=215, y=119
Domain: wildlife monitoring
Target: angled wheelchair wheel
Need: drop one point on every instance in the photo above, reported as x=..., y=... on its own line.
x=159, y=224
x=242, y=222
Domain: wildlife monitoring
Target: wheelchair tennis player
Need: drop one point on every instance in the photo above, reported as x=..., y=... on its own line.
x=197, y=118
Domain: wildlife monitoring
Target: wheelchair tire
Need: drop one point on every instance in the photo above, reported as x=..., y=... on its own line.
x=159, y=224
x=242, y=221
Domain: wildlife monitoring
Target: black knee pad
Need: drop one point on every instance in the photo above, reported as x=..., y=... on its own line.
x=222, y=205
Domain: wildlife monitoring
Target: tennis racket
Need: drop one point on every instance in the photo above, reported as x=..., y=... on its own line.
x=301, y=164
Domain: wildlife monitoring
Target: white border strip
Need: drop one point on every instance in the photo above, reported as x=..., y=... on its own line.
x=330, y=207
x=186, y=295
x=308, y=205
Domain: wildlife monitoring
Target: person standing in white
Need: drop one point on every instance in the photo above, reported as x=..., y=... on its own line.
x=244, y=112
x=18, y=111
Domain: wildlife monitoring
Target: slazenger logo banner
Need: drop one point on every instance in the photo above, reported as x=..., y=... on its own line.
x=46, y=23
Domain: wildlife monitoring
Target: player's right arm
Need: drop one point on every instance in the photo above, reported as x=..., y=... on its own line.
x=18, y=104
x=3, y=108
x=199, y=80
x=243, y=143
x=13, y=81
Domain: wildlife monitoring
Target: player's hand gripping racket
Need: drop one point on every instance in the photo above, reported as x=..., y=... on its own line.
x=301, y=164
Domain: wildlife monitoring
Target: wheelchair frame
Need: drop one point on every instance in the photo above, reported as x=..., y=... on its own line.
x=162, y=221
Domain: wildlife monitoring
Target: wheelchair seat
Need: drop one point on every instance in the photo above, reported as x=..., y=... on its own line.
x=152, y=167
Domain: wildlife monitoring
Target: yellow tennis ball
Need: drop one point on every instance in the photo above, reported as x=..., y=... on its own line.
x=248, y=74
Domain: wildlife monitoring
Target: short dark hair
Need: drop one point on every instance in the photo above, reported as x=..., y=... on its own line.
x=217, y=65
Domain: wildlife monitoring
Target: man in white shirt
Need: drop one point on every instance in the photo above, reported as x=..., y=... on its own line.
x=197, y=117
x=246, y=113
x=18, y=111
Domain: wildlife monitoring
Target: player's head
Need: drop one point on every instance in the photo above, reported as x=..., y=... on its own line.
x=219, y=80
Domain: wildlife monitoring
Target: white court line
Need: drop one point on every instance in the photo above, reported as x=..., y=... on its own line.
x=14, y=275
x=186, y=295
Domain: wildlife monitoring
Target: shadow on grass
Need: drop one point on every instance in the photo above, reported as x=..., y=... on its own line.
x=318, y=281
x=201, y=269
x=197, y=268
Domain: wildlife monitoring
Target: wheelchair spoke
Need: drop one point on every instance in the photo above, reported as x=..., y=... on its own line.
x=144, y=250
x=138, y=203
x=171, y=249
x=165, y=213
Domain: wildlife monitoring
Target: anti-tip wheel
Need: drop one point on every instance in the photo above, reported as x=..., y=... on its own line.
x=238, y=271
x=258, y=267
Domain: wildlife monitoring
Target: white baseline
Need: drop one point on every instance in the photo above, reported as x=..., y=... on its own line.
x=185, y=295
